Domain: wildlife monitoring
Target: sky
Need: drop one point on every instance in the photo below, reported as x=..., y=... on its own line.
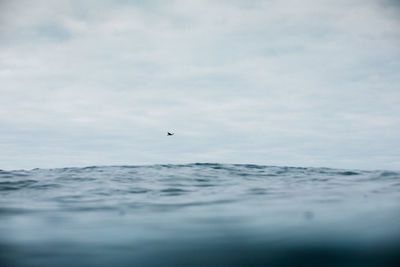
x=287, y=83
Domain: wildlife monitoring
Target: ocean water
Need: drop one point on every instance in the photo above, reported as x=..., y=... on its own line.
x=199, y=215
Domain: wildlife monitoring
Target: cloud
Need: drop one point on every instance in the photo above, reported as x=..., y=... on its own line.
x=270, y=82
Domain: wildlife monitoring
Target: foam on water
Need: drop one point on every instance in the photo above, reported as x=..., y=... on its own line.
x=201, y=214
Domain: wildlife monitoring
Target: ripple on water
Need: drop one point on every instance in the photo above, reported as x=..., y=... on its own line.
x=348, y=173
x=16, y=185
x=173, y=191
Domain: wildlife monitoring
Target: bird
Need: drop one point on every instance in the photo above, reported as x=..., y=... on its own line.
x=169, y=134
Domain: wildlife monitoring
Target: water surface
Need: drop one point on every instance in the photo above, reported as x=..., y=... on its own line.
x=199, y=215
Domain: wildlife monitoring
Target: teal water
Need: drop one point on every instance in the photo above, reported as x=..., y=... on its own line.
x=199, y=215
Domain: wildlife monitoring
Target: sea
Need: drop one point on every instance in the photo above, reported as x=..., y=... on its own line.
x=201, y=214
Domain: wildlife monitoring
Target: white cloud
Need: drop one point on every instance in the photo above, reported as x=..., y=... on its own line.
x=273, y=82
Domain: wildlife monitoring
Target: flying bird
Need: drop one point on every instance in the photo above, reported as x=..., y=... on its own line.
x=169, y=134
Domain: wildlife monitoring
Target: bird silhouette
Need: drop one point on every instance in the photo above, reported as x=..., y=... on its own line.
x=169, y=134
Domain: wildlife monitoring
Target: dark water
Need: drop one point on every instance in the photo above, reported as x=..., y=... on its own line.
x=199, y=215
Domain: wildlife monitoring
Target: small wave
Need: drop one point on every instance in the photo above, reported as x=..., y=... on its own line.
x=76, y=179
x=13, y=211
x=129, y=166
x=174, y=206
x=16, y=185
x=91, y=168
x=138, y=190
x=173, y=191
x=45, y=186
x=6, y=174
x=348, y=173
x=253, y=166
x=125, y=191
x=386, y=174
x=205, y=164
x=257, y=191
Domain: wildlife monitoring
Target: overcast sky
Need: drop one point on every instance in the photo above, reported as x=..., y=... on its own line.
x=289, y=83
